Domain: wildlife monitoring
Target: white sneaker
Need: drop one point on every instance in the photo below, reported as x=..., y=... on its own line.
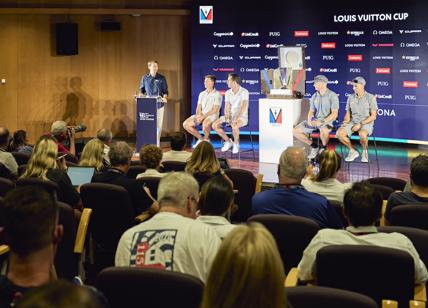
x=364, y=156
x=313, y=153
x=197, y=142
x=227, y=146
x=351, y=156
x=235, y=148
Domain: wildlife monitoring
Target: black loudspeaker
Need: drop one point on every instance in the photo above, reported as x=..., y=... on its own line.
x=66, y=35
x=110, y=25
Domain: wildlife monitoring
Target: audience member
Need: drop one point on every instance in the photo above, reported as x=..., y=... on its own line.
x=325, y=182
x=150, y=159
x=120, y=158
x=203, y=163
x=19, y=143
x=247, y=271
x=92, y=155
x=43, y=164
x=30, y=220
x=362, y=207
x=7, y=158
x=172, y=239
x=64, y=137
x=418, y=189
x=291, y=198
x=177, y=153
x=63, y=294
x=215, y=204
x=106, y=137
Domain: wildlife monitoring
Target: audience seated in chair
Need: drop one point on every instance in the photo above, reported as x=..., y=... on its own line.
x=120, y=155
x=291, y=198
x=362, y=206
x=203, y=163
x=215, y=205
x=63, y=294
x=7, y=158
x=325, y=182
x=30, y=220
x=44, y=165
x=19, y=143
x=92, y=155
x=247, y=271
x=150, y=159
x=105, y=136
x=172, y=239
x=177, y=153
x=418, y=193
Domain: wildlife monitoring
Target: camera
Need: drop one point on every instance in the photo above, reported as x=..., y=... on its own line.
x=79, y=128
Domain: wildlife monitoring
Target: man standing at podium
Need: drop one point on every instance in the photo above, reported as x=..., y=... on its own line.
x=235, y=113
x=155, y=85
x=323, y=110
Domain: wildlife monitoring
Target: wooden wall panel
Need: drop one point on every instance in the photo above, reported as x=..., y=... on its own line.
x=96, y=86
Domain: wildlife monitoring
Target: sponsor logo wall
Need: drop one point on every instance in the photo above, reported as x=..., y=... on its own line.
x=390, y=50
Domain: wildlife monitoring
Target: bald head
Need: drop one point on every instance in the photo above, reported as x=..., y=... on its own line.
x=293, y=163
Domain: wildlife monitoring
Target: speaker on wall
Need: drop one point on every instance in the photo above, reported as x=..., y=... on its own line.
x=110, y=25
x=66, y=35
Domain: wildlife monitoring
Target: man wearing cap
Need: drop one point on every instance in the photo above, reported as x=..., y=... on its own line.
x=361, y=109
x=323, y=110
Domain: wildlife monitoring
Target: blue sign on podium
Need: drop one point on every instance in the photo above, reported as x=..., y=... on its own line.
x=146, y=121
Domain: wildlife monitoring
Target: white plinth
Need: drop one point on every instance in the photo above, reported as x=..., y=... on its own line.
x=276, y=120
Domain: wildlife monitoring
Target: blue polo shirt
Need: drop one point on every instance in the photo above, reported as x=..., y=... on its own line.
x=299, y=202
x=154, y=86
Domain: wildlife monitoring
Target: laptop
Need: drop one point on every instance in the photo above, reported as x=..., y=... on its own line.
x=80, y=175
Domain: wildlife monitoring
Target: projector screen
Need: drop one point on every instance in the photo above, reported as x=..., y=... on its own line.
x=386, y=42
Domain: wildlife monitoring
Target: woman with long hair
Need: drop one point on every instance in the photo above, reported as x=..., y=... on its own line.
x=92, y=155
x=203, y=163
x=325, y=182
x=246, y=272
x=43, y=164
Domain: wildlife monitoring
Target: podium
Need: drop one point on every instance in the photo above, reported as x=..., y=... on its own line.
x=277, y=116
x=146, y=119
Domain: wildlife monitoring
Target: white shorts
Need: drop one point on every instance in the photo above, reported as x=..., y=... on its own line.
x=222, y=119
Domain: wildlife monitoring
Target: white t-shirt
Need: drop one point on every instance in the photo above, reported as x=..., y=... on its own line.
x=208, y=101
x=170, y=241
x=220, y=224
x=172, y=155
x=368, y=236
x=332, y=189
x=236, y=100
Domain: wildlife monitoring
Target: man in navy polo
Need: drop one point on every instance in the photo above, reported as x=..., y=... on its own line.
x=155, y=85
x=291, y=198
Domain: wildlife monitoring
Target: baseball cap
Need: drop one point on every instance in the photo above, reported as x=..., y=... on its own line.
x=358, y=80
x=321, y=78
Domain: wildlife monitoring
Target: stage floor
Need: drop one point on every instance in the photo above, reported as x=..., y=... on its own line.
x=394, y=161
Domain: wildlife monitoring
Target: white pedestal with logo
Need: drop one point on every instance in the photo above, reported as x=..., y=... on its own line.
x=277, y=116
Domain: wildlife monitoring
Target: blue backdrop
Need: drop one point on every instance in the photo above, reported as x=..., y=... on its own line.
x=383, y=41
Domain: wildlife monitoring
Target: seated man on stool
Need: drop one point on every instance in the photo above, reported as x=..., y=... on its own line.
x=235, y=113
x=323, y=110
x=361, y=109
x=207, y=111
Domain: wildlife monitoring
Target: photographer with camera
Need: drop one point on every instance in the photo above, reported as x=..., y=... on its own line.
x=65, y=136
